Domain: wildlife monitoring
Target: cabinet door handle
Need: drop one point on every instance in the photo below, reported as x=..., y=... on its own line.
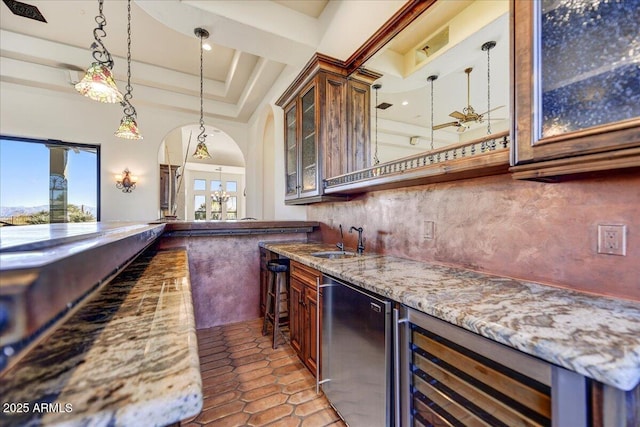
x=396, y=362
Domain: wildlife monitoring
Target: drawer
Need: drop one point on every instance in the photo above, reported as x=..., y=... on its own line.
x=306, y=274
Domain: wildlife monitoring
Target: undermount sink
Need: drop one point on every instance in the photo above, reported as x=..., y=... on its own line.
x=334, y=254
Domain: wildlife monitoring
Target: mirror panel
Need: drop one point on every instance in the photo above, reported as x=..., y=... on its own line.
x=444, y=41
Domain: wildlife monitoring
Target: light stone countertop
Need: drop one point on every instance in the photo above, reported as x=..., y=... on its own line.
x=127, y=357
x=595, y=336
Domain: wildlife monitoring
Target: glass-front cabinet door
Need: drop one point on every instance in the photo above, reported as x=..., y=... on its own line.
x=308, y=143
x=291, y=151
x=301, y=145
x=577, y=86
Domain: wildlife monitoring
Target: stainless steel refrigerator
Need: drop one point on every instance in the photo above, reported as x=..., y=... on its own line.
x=356, y=362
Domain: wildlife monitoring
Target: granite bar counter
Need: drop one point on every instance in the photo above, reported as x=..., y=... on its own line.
x=127, y=357
x=237, y=228
x=47, y=270
x=595, y=336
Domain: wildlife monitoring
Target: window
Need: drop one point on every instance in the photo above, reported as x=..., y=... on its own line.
x=199, y=184
x=45, y=181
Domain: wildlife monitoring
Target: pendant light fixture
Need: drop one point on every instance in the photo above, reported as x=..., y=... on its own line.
x=128, y=126
x=98, y=83
x=431, y=79
x=376, y=160
x=487, y=47
x=220, y=195
x=201, y=149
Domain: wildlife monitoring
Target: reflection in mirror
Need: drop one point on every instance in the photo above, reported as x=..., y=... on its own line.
x=445, y=41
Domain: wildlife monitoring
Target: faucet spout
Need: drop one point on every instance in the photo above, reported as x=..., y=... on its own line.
x=341, y=244
x=360, y=248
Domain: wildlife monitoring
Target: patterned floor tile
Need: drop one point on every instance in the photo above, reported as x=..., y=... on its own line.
x=248, y=383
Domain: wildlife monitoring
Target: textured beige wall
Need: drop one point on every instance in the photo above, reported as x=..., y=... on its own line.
x=543, y=232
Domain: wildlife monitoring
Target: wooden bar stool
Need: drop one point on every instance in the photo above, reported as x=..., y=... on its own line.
x=277, y=305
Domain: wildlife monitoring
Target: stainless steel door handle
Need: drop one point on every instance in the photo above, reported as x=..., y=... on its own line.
x=396, y=363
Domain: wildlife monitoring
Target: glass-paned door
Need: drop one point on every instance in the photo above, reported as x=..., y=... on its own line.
x=308, y=166
x=208, y=186
x=200, y=207
x=232, y=208
x=590, y=68
x=216, y=210
x=291, y=151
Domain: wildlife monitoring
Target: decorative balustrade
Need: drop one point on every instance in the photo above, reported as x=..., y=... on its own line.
x=492, y=143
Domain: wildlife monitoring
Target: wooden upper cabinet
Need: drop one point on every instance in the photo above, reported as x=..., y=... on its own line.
x=576, y=89
x=327, y=127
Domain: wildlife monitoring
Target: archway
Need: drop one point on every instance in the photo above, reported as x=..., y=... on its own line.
x=188, y=185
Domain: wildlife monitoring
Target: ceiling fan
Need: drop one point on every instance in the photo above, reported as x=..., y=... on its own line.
x=468, y=115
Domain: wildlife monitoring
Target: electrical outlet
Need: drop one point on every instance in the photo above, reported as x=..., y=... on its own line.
x=429, y=228
x=612, y=239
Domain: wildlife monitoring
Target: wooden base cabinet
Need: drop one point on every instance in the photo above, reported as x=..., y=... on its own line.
x=304, y=324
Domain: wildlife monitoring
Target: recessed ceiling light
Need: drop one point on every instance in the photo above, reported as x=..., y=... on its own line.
x=206, y=46
x=405, y=102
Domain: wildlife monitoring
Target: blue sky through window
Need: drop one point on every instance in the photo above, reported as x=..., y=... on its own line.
x=24, y=174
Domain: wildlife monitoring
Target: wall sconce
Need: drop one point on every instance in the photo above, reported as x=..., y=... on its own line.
x=126, y=182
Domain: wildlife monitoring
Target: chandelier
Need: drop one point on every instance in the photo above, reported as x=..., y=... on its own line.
x=220, y=195
x=98, y=83
x=128, y=127
x=201, y=149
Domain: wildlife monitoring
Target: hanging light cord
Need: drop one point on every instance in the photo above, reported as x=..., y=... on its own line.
x=488, y=46
x=376, y=160
x=431, y=146
x=201, y=135
x=101, y=55
x=431, y=79
x=488, y=91
x=129, y=109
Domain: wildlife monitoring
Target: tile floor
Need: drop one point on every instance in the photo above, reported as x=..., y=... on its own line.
x=247, y=383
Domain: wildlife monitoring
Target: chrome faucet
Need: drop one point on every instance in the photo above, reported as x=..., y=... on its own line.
x=341, y=244
x=360, y=239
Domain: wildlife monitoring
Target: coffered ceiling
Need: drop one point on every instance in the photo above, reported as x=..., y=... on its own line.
x=253, y=43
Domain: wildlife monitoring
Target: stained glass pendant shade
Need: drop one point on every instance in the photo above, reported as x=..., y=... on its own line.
x=201, y=151
x=98, y=83
x=128, y=128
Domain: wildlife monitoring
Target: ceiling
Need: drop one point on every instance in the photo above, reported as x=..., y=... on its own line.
x=249, y=52
x=254, y=44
